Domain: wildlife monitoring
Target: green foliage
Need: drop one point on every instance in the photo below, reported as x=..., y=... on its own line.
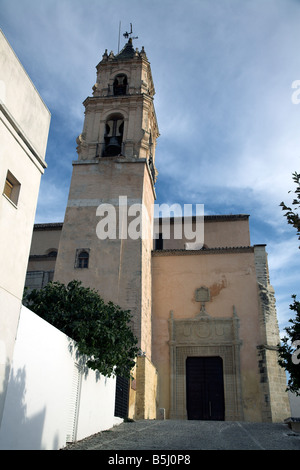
x=101, y=330
x=286, y=350
x=288, y=353
x=292, y=217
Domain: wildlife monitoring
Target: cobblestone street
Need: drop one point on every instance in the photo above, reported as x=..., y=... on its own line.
x=192, y=435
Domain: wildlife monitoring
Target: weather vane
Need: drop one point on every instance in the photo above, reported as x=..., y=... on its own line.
x=126, y=35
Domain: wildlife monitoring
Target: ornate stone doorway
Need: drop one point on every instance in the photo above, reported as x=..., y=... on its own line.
x=205, y=336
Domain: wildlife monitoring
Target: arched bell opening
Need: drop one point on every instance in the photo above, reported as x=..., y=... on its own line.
x=114, y=128
x=120, y=85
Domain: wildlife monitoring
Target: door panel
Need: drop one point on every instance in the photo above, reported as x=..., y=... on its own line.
x=121, y=397
x=205, y=388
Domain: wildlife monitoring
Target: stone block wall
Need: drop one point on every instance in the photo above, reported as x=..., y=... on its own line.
x=274, y=402
x=146, y=389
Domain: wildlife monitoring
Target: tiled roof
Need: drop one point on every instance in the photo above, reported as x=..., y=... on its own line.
x=127, y=52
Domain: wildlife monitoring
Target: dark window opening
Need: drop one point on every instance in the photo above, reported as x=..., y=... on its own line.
x=82, y=260
x=120, y=85
x=113, y=137
x=159, y=242
x=52, y=253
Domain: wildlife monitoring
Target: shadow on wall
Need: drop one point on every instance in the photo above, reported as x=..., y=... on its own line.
x=18, y=431
x=3, y=388
x=81, y=361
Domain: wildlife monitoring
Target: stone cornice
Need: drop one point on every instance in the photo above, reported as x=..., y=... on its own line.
x=94, y=100
x=212, y=218
x=41, y=257
x=48, y=226
x=206, y=251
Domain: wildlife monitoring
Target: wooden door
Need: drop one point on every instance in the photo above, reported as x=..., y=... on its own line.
x=205, y=388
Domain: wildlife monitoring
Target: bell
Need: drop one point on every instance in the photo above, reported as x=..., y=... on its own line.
x=113, y=147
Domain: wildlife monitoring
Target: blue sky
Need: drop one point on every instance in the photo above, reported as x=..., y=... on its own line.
x=223, y=73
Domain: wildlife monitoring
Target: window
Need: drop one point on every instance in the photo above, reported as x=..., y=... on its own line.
x=52, y=253
x=82, y=259
x=113, y=136
x=11, y=188
x=159, y=242
x=120, y=85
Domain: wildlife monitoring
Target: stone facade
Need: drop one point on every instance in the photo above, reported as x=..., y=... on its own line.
x=146, y=395
x=230, y=276
x=114, y=265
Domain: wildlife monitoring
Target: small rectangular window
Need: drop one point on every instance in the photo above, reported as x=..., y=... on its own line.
x=12, y=188
x=159, y=242
x=82, y=258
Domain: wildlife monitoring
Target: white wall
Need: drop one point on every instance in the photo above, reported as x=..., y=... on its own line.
x=24, y=127
x=19, y=95
x=295, y=405
x=38, y=407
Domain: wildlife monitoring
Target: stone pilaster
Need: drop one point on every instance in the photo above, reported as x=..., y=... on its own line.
x=274, y=398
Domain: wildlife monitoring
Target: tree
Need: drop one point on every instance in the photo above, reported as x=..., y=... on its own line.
x=292, y=217
x=289, y=349
x=101, y=330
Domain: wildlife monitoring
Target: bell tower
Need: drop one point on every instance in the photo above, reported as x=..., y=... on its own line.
x=120, y=117
x=106, y=240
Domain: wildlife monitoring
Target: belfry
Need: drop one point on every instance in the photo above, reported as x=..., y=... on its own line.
x=204, y=316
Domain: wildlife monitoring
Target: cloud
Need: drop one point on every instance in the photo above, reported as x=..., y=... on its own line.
x=285, y=253
x=52, y=206
x=284, y=258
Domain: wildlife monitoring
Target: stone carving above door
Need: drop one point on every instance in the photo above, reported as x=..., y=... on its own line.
x=202, y=295
x=204, y=329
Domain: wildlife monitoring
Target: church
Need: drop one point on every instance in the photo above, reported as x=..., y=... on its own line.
x=203, y=311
